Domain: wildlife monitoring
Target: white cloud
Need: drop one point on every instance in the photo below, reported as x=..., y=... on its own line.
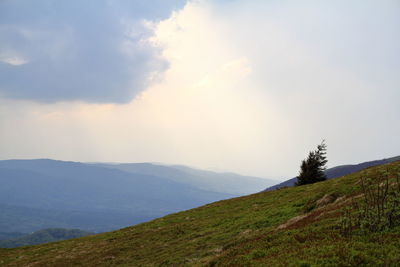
x=14, y=60
x=248, y=89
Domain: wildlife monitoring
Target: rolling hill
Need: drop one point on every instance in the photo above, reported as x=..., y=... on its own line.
x=287, y=227
x=39, y=194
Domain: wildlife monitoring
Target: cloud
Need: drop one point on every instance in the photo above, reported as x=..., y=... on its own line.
x=12, y=60
x=251, y=87
x=94, y=51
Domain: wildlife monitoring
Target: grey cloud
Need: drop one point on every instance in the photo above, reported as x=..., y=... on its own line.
x=78, y=50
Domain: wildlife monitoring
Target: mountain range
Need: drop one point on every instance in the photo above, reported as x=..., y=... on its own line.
x=43, y=193
x=294, y=226
x=42, y=236
x=225, y=182
x=98, y=197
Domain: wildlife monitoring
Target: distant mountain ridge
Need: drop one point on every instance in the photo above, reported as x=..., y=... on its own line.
x=339, y=171
x=43, y=193
x=229, y=183
x=288, y=227
x=43, y=236
x=93, y=198
x=10, y=235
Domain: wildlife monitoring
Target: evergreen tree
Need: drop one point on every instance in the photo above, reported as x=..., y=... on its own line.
x=313, y=168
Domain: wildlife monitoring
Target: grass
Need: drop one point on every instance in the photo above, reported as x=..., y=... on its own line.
x=235, y=232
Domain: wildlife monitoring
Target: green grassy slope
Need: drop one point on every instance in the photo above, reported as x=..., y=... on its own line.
x=235, y=232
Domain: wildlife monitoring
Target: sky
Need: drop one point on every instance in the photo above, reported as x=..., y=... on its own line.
x=229, y=85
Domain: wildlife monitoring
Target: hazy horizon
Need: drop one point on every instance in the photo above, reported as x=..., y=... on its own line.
x=248, y=87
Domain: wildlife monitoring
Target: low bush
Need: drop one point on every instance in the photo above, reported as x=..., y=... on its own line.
x=378, y=208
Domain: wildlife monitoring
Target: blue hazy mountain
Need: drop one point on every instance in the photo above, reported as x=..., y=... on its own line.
x=229, y=183
x=10, y=235
x=39, y=194
x=43, y=236
x=339, y=171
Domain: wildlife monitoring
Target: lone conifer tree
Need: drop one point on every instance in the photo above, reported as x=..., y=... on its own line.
x=313, y=168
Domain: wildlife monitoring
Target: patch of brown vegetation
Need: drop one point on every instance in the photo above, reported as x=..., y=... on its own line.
x=326, y=204
x=325, y=200
x=292, y=221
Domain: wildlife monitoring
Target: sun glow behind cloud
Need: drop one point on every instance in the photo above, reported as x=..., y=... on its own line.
x=244, y=91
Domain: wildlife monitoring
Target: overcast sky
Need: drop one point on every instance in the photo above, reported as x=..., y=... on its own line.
x=239, y=85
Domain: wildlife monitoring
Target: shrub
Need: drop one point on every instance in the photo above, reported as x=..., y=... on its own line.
x=379, y=207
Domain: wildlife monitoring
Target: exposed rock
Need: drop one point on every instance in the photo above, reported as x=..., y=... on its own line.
x=325, y=200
